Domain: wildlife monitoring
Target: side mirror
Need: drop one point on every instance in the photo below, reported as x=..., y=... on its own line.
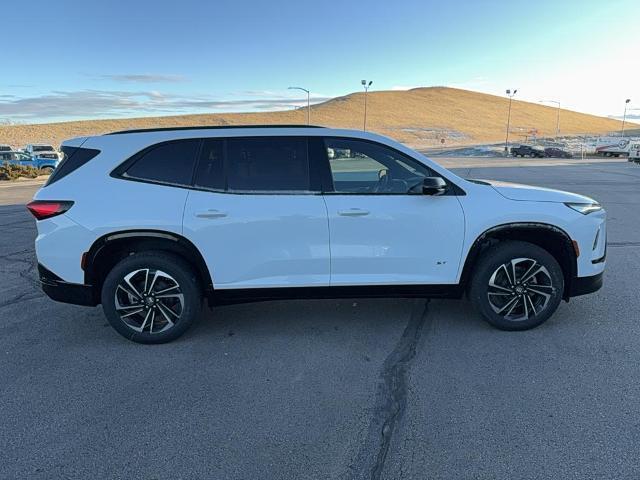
x=433, y=186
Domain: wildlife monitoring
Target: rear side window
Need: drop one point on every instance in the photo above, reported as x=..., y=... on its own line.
x=74, y=158
x=267, y=164
x=170, y=162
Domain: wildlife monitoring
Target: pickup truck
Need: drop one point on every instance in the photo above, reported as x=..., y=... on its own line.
x=21, y=158
x=527, y=151
x=42, y=150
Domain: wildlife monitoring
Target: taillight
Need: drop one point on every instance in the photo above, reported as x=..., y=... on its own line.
x=43, y=209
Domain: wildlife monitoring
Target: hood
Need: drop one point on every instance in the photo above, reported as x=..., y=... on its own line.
x=517, y=191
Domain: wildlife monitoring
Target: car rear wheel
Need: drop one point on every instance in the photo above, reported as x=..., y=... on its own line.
x=47, y=170
x=516, y=285
x=151, y=297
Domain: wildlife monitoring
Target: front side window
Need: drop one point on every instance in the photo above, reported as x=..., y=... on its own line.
x=362, y=167
x=170, y=162
x=267, y=164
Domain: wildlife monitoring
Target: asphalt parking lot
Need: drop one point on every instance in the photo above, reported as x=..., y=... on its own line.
x=330, y=389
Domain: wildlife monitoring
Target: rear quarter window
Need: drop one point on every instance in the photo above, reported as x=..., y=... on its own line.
x=74, y=158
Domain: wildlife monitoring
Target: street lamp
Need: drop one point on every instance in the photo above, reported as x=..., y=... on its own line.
x=557, y=116
x=308, y=104
x=366, y=89
x=624, y=117
x=506, y=142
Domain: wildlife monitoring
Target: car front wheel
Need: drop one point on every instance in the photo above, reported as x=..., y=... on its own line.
x=516, y=285
x=151, y=297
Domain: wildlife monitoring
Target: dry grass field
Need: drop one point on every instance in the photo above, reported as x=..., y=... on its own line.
x=421, y=117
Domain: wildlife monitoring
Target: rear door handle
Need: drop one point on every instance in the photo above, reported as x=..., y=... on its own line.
x=353, y=212
x=211, y=213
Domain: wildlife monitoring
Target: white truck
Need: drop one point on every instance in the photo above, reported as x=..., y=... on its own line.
x=614, y=146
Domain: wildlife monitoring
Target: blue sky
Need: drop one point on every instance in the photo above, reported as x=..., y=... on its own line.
x=84, y=59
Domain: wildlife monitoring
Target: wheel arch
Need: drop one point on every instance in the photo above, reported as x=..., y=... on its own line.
x=549, y=237
x=109, y=249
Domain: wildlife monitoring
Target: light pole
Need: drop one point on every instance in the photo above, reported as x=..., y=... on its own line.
x=557, y=116
x=506, y=142
x=366, y=89
x=624, y=117
x=308, y=104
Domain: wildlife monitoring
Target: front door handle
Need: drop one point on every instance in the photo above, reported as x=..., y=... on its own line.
x=211, y=213
x=353, y=212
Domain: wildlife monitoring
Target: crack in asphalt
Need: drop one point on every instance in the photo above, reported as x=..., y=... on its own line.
x=391, y=398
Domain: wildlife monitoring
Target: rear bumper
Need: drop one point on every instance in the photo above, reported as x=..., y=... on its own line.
x=61, y=291
x=585, y=285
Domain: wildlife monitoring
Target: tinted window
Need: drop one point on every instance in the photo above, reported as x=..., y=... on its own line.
x=210, y=172
x=359, y=166
x=42, y=148
x=267, y=164
x=74, y=158
x=170, y=162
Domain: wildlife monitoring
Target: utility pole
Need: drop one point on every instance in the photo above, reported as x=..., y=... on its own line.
x=308, y=102
x=557, y=115
x=624, y=117
x=506, y=142
x=366, y=89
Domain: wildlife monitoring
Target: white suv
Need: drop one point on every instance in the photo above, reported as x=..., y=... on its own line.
x=150, y=222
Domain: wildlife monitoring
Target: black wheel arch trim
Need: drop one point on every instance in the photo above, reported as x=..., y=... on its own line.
x=479, y=242
x=154, y=240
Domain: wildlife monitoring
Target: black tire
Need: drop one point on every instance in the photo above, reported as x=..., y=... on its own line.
x=492, y=262
x=49, y=170
x=183, y=311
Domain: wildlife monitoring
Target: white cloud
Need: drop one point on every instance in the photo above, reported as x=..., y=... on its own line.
x=107, y=103
x=144, y=78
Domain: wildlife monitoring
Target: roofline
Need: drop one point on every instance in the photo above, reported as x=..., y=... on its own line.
x=207, y=127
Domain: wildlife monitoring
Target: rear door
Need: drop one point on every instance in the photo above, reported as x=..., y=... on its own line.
x=383, y=229
x=255, y=216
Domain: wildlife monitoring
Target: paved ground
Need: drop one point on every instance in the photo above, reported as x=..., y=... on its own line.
x=329, y=389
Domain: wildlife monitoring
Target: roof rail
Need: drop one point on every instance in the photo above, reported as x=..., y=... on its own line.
x=207, y=127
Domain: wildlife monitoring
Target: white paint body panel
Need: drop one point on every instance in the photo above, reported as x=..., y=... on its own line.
x=394, y=239
x=255, y=241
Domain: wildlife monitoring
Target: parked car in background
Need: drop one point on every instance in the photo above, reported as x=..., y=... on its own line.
x=236, y=214
x=22, y=158
x=634, y=152
x=557, y=153
x=527, y=151
x=42, y=150
x=5, y=148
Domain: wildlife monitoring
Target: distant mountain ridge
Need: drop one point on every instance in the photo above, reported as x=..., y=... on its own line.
x=421, y=117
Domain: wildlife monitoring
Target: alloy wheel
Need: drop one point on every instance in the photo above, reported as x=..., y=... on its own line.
x=520, y=289
x=149, y=301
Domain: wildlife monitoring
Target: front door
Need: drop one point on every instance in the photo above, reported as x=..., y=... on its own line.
x=254, y=215
x=383, y=229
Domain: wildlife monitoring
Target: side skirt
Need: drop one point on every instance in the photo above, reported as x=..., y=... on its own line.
x=249, y=295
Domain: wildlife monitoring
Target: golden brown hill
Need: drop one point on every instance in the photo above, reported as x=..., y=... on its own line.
x=421, y=117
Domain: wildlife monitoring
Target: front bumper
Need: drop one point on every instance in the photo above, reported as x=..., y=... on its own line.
x=585, y=285
x=61, y=291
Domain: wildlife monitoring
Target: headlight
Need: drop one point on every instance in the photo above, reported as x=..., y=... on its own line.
x=585, y=208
